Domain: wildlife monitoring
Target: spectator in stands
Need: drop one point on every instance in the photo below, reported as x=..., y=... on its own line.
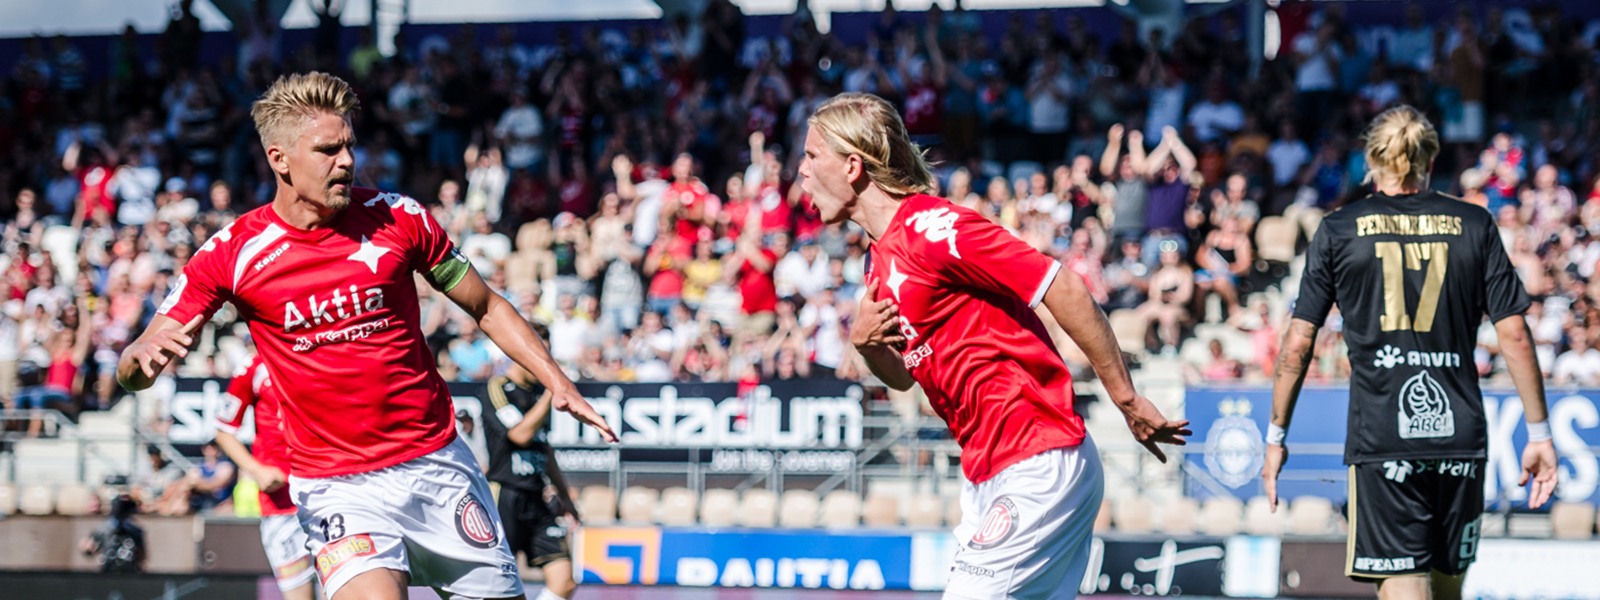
x=1126, y=174
x=1216, y=118
x=1171, y=289
x=1580, y=364
x=211, y=480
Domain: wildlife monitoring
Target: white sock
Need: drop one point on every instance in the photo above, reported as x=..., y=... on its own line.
x=546, y=594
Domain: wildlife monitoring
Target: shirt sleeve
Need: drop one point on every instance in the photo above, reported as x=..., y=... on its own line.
x=1317, y=283
x=1504, y=294
x=201, y=288
x=967, y=249
x=433, y=255
x=239, y=397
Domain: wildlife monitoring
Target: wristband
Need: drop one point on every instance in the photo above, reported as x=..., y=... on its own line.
x=1539, y=432
x=1276, y=434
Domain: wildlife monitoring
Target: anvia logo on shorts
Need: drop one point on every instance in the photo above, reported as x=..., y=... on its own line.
x=473, y=523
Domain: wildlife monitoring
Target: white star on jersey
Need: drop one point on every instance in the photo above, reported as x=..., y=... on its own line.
x=895, y=279
x=369, y=254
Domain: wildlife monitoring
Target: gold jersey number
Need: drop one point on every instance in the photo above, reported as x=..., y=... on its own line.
x=1411, y=256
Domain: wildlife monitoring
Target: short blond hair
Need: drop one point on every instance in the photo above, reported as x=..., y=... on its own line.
x=1401, y=144
x=868, y=126
x=299, y=97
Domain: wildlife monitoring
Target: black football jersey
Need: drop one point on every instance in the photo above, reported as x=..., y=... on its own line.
x=521, y=467
x=1413, y=277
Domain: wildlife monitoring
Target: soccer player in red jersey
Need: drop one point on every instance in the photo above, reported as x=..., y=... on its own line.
x=386, y=491
x=267, y=462
x=950, y=307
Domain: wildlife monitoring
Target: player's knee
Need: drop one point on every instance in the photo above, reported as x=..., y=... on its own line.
x=561, y=585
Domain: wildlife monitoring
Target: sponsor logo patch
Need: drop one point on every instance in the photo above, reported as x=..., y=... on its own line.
x=1425, y=409
x=473, y=523
x=973, y=569
x=1385, y=565
x=336, y=553
x=997, y=525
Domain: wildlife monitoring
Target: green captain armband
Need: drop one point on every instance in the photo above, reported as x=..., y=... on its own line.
x=445, y=275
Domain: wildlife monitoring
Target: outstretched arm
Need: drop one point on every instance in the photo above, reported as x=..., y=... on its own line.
x=1539, y=457
x=162, y=340
x=511, y=333
x=1298, y=343
x=1075, y=310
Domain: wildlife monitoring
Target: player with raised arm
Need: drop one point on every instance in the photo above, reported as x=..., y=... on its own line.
x=387, y=492
x=951, y=307
x=267, y=462
x=1413, y=272
x=535, y=503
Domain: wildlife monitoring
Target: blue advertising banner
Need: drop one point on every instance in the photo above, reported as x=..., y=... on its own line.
x=1229, y=423
x=794, y=558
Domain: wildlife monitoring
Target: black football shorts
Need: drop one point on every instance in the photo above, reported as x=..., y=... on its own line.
x=532, y=527
x=1409, y=517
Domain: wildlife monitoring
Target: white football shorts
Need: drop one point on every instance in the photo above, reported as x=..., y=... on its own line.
x=432, y=516
x=1025, y=533
x=285, y=543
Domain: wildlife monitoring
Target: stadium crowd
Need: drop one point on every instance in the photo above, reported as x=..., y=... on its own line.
x=634, y=190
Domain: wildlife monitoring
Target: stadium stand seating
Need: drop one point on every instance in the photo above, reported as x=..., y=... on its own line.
x=678, y=505
x=758, y=508
x=719, y=508
x=1133, y=515
x=925, y=510
x=798, y=509
x=638, y=506
x=1275, y=238
x=37, y=499
x=1310, y=515
x=1179, y=516
x=1130, y=328
x=1260, y=519
x=841, y=509
x=1572, y=520
x=1221, y=516
x=597, y=505
x=881, y=510
x=76, y=499
x=1102, y=519
x=8, y=499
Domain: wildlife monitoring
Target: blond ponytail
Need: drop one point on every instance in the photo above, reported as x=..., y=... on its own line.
x=1401, y=144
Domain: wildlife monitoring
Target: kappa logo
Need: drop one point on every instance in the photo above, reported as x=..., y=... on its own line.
x=336, y=553
x=998, y=523
x=403, y=202
x=938, y=225
x=473, y=523
x=1425, y=409
x=262, y=264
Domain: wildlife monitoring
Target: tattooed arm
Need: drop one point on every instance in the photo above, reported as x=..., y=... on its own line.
x=1288, y=376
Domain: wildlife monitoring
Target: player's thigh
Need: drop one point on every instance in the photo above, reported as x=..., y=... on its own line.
x=1403, y=587
x=453, y=533
x=1390, y=533
x=1445, y=587
x=1458, y=515
x=349, y=530
x=1031, y=530
x=285, y=545
x=558, y=577
x=519, y=526
x=376, y=584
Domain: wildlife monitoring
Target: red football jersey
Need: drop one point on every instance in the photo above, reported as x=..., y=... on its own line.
x=334, y=314
x=966, y=289
x=253, y=387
